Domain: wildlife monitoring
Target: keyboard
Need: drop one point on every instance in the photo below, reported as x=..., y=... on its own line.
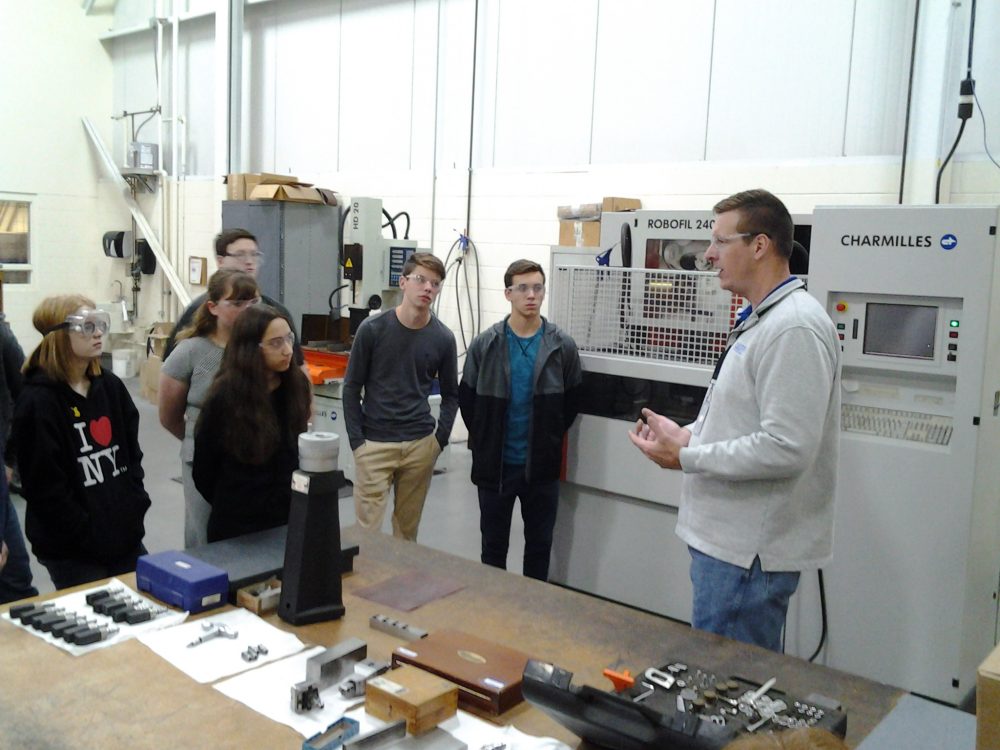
x=913, y=426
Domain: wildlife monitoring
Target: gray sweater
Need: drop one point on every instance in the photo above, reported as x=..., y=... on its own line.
x=760, y=477
x=395, y=367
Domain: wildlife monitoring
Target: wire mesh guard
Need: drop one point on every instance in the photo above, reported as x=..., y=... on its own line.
x=658, y=315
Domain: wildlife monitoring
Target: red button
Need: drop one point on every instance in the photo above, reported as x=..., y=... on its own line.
x=953, y=334
x=841, y=307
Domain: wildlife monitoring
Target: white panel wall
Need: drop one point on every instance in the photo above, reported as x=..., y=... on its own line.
x=544, y=82
x=880, y=62
x=652, y=81
x=779, y=79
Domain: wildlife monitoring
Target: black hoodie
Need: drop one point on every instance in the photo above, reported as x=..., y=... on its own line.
x=81, y=468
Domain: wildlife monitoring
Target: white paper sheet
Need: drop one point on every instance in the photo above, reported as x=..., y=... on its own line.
x=221, y=657
x=77, y=603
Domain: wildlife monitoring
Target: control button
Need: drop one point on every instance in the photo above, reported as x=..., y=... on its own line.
x=952, y=347
x=841, y=326
x=840, y=336
x=841, y=307
x=953, y=334
x=952, y=358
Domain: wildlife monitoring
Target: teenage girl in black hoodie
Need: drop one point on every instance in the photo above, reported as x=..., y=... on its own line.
x=75, y=435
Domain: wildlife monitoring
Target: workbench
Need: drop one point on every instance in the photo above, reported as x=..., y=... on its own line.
x=126, y=696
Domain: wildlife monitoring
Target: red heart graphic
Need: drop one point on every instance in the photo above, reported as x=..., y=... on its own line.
x=100, y=430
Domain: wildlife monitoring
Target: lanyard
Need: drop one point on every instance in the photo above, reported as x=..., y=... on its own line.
x=744, y=314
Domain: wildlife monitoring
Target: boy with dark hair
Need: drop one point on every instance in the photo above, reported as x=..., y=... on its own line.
x=518, y=396
x=235, y=249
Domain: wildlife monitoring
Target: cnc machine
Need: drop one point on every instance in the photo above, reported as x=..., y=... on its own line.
x=912, y=589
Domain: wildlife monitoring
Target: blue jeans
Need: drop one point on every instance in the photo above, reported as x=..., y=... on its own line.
x=539, y=503
x=745, y=605
x=15, y=578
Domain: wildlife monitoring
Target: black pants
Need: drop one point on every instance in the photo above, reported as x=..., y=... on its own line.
x=539, y=503
x=66, y=573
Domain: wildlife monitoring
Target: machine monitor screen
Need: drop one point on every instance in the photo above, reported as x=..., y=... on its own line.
x=900, y=330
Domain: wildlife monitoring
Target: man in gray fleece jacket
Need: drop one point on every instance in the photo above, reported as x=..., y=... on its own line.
x=760, y=461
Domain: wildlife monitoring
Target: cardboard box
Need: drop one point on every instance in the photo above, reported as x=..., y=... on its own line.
x=620, y=204
x=988, y=703
x=156, y=339
x=297, y=193
x=580, y=233
x=149, y=378
x=239, y=185
x=422, y=699
x=579, y=212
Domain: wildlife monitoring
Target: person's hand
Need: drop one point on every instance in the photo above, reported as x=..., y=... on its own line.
x=3, y=554
x=660, y=439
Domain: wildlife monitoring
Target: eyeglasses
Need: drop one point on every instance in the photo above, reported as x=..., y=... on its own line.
x=525, y=288
x=279, y=342
x=419, y=280
x=730, y=238
x=239, y=304
x=246, y=255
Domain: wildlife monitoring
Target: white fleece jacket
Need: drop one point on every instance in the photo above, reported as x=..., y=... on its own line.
x=761, y=475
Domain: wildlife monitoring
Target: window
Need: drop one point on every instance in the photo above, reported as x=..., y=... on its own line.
x=15, y=242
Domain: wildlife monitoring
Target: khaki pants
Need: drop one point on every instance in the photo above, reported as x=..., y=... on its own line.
x=408, y=467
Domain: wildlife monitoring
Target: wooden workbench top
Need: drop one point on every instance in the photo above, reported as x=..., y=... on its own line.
x=126, y=696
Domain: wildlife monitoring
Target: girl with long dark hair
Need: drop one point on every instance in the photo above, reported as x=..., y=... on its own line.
x=245, y=445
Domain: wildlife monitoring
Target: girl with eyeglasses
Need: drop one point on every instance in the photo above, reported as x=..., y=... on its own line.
x=245, y=443
x=188, y=373
x=76, y=438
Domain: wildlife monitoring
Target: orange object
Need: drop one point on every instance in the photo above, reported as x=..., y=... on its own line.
x=324, y=366
x=621, y=680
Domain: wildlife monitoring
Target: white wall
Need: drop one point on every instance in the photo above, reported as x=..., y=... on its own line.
x=53, y=72
x=674, y=102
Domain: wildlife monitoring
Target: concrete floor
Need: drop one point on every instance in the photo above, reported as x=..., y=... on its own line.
x=450, y=521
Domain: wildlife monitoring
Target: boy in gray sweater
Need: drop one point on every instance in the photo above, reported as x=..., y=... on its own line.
x=395, y=358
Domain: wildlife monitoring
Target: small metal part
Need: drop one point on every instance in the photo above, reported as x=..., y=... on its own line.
x=327, y=668
x=33, y=617
x=333, y=736
x=709, y=696
x=377, y=737
x=644, y=694
x=93, y=635
x=354, y=686
x=660, y=678
x=250, y=654
x=762, y=690
x=213, y=630
x=70, y=633
x=680, y=704
x=395, y=627
x=20, y=610
x=47, y=622
x=95, y=596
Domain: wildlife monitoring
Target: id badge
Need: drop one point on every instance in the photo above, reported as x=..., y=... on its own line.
x=706, y=404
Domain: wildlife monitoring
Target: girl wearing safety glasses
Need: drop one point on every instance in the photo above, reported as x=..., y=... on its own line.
x=75, y=435
x=188, y=374
x=245, y=444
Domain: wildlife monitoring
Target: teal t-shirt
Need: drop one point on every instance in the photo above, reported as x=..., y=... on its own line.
x=522, y=354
